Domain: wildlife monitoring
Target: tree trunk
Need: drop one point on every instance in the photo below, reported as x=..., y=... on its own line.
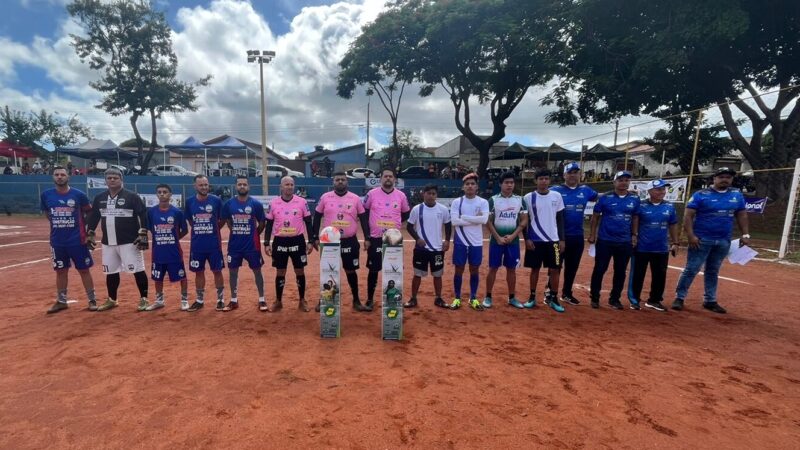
x=153, y=134
x=394, y=155
x=134, y=119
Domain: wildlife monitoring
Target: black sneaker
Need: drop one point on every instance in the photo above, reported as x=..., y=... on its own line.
x=220, y=305
x=262, y=306
x=412, y=303
x=196, y=306
x=368, y=306
x=357, y=305
x=318, y=307
x=570, y=299
x=440, y=303
x=635, y=305
x=655, y=305
x=677, y=304
x=58, y=306
x=595, y=304
x=92, y=305
x=615, y=304
x=231, y=306
x=714, y=307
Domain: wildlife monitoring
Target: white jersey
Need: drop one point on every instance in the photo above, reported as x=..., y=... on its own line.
x=542, y=210
x=428, y=224
x=469, y=215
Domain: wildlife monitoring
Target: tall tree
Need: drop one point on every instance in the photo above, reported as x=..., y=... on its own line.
x=61, y=132
x=130, y=43
x=42, y=128
x=20, y=127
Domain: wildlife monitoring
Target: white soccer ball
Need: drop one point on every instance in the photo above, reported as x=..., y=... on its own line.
x=392, y=236
x=330, y=235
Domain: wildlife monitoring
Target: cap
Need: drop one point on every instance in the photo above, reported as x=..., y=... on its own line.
x=571, y=166
x=655, y=184
x=622, y=173
x=724, y=170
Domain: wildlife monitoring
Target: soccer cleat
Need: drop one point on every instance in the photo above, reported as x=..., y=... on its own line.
x=570, y=300
x=196, y=306
x=318, y=307
x=92, y=305
x=515, y=303
x=369, y=306
x=655, y=305
x=184, y=305
x=487, y=302
x=411, y=303
x=220, y=305
x=677, y=304
x=357, y=305
x=155, y=306
x=277, y=306
x=456, y=303
x=231, y=306
x=554, y=305
x=531, y=303
x=58, y=306
x=635, y=304
x=595, y=304
x=143, y=304
x=262, y=306
x=440, y=303
x=109, y=304
x=475, y=304
x=615, y=304
x=714, y=307
x=303, y=305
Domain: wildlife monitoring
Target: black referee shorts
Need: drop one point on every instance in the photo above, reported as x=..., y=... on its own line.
x=375, y=254
x=350, y=250
x=284, y=248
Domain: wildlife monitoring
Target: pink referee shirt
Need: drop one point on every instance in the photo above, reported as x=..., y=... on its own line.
x=340, y=211
x=288, y=216
x=385, y=210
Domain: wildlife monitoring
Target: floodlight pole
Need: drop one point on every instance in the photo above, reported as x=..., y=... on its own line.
x=262, y=57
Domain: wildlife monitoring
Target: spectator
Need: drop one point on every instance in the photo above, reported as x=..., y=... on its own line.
x=431, y=170
x=446, y=172
x=8, y=170
x=37, y=167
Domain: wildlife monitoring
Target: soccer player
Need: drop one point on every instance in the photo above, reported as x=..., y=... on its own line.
x=425, y=225
x=168, y=226
x=288, y=219
x=387, y=208
x=544, y=238
x=468, y=214
x=66, y=209
x=708, y=222
x=122, y=216
x=658, y=236
x=245, y=218
x=615, y=213
x=344, y=210
x=204, y=213
x=575, y=197
x=507, y=219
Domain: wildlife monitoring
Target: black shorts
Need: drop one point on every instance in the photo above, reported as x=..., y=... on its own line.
x=350, y=249
x=284, y=248
x=543, y=254
x=375, y=254
x=424, y=259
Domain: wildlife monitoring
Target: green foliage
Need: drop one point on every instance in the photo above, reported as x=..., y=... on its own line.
x=42, y=128
x=678, y=142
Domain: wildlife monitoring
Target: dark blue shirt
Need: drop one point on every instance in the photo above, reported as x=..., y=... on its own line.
x=204, y=217
x=166, y=227
x=617, y=213
x=575, y=200
x=715, y=212
x=654, y=222
x=244, y=217
x=65, y=212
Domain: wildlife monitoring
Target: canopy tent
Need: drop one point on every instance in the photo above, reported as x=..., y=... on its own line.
x=12, y=150
x=190, y=146
x=601, y=153
x=554, y=152
x=98, y=149
x=227, y=148
x=231, y=146
x=515, y=151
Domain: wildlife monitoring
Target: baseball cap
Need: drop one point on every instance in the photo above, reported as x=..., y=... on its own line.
x=724, y=170
x=622, y=173
x=655, y=184
x=571, y=166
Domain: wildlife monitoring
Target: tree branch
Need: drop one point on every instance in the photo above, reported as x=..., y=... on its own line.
x=756, y=160
x=768, y=113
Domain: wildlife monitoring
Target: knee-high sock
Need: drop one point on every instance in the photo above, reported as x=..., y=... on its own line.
x=259, y=283
x=112, y=284
x=233, y=280
x=473, y=285
x=457, y=280
x=352, y=280
x=141, y=283
x=301, y=286
x=372, y=282
x=280, y=282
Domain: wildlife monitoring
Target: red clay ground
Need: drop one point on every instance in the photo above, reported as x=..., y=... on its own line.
x=461, y=379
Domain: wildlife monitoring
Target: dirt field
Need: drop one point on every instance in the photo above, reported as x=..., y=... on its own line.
x=503, y=378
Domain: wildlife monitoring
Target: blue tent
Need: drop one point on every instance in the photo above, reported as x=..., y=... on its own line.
x=98, y=149
x=190, y=146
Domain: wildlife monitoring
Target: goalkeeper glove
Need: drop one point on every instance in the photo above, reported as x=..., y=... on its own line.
x=91, y=243
x=141, y=241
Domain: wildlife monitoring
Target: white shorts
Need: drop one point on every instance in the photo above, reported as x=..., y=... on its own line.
x=122, y=258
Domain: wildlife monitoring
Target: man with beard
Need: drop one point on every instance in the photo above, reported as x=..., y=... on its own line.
x=203, y=211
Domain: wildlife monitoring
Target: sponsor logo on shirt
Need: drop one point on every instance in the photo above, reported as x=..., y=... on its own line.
x=209, y=208
x=70, y=202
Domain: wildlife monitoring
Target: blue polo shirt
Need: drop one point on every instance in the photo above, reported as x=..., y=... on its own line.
x=715, y=212
x=166, y=226
x=204, y=216
x=617, y=215
x=244, y=217
x=654, y=222
x=575, y=200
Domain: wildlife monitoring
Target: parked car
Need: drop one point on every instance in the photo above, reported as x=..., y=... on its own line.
x=278, y=171
x=360, y=172
x=171, y=170
x=414, y=172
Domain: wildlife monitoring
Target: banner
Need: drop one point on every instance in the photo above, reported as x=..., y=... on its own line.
x=376, y=182
x=330, y=298
x=676, y=193
x=755, y=205
x=96, y=183
x=152, y=200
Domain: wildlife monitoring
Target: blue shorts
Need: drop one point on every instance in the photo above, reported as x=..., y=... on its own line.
x=254, y=260
x=463, y=253
x=176, y=271
x=78, y=254
x=197, y=261
x=503, y=255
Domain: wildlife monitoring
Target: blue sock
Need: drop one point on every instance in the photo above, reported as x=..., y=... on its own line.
x=473, y=285
x=457, y=279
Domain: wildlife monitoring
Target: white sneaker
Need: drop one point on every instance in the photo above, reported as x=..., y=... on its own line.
x=184, y=305
x=155, y=306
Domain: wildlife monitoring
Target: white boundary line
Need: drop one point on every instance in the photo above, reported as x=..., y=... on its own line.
x=25, y=263
x=22, y=243
x=720, y=277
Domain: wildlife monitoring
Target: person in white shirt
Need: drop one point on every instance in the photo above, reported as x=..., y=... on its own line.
x=468, y=214
x=425, y=225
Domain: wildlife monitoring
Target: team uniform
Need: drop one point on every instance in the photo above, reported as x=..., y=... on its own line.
x=385, y=212
x=288, y=228
x=342, y=211
x=166, y=226
x=206, y=243
x=614, y=240
x=505, y=213
x=543, y=229
x=428, y=222
x=244, y=243
x=67, y=228
x=575, y=200
x=652, y=249
x=121, y=217
x=468, y=216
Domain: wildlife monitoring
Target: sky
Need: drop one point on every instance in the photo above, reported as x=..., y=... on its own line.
x=39, y=69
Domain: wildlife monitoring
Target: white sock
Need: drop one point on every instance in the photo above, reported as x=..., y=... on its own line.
x=261, y=300
x=234, y=300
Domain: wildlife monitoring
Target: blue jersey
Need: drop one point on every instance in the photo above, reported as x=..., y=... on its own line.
x=617, y=215
x=575, y=200
x=244, y=217
x=166, y=227
x=654, y=222
x=715, y=212
x=65, y=212
x=204, y=216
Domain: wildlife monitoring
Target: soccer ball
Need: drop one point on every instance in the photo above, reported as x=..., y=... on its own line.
x=392, y=236
x=330, y=235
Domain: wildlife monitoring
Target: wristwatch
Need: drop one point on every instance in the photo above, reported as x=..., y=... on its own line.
x=745, y=236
